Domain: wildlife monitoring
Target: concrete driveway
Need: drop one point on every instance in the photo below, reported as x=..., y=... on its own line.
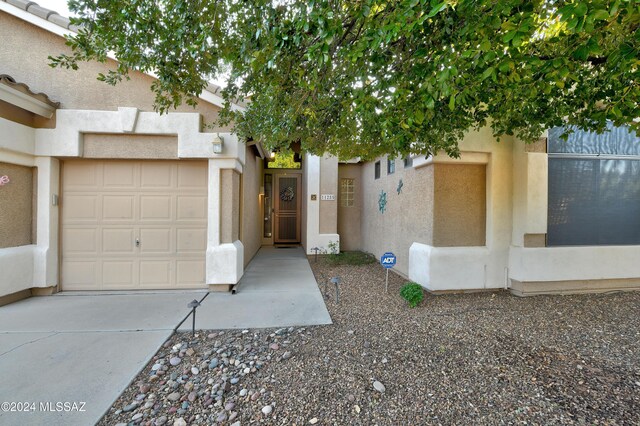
x=80, y=349
x=83, y=349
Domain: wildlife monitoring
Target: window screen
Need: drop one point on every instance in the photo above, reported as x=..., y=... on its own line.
x=347, y=192
x=377, y=170
x=391, y=166
x=594, y=188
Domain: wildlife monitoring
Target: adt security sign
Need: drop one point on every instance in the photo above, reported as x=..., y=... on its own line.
x=388, y=260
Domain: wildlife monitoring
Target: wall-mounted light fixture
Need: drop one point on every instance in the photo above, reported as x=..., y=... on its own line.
x=217, y=142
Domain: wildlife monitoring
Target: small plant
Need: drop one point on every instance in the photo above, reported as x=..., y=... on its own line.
x=412, y=293
x=334, y=247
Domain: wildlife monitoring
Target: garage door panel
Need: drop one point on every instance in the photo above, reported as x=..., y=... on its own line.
x=191, y=240
x=191, y=272
x=156, y=207
x=80, y=241
x=118, y=207
x=118, y=273
x=78, y=275
x=192, y=208
x=80, y=207
x=118, y=241
x=155, y=175
x=119, y=174
x=83, y=176
x=155, y=273
x=108, y=205
x=155, y=241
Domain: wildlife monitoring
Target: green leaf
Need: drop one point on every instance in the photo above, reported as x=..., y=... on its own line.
x=488, y=73
x=436, y=9
x=600, y=15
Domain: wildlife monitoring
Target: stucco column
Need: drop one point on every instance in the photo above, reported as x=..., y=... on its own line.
x=45, y=261
x=321, y=177
x=225, y=252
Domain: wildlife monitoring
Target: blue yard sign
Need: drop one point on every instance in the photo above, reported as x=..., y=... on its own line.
x=388, y=260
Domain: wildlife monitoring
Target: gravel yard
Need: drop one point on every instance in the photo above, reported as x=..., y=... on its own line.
x=483, y=358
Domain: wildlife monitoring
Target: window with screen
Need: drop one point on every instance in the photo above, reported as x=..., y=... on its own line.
x=391, y=166
x=594, y=188
x=377, y=170
x=347, y=193
x=408, y=162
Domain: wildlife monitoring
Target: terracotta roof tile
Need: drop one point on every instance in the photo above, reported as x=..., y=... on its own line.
x=42, y=12
x=11, y=82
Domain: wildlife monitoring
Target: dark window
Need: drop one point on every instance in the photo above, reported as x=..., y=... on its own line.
x=408, y=162
x=594, y=188
x=391, y=166
x=377, y=170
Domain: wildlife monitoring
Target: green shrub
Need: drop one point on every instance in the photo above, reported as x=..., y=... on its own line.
x=412, y=293
x=353, y=258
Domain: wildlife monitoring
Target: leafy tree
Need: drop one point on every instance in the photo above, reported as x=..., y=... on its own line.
x=367, y=77
x=283, y=160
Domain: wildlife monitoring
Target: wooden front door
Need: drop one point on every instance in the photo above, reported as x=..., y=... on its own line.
x=287, y=209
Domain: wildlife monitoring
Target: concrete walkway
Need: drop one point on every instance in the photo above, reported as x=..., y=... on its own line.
x=277, y=289
x=86, y=347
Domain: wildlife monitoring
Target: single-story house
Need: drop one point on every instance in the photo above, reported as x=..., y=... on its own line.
x=98, y=192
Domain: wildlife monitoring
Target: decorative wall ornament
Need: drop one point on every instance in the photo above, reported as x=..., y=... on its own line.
x=287, y=194
x=400, y=185
x=4, y=180
x=382, y=202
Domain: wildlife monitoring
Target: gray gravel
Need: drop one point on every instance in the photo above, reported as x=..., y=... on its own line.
x=482, y=358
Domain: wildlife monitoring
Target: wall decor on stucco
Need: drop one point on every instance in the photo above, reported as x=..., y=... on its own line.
x=382, y=202
x=400, y=185
x=4, y=180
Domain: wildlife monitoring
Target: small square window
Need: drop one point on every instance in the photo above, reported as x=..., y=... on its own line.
x=391, y=166
x=347, y=193
x=377, y=170
x=408, y=162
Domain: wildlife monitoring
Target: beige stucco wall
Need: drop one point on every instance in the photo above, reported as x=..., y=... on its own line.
x=328, y=185
x=459, y=214
x=230, y=206
x=251, y=209
x=16, y=206
x=73, y=89
x=349, y=217
x=408, y=217
x=130, y=146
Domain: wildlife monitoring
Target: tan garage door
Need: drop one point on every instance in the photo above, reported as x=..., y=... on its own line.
x=133, y=224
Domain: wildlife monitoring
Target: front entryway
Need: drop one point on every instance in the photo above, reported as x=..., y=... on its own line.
x=287, y=209
x=133, y=224
x=282, y=207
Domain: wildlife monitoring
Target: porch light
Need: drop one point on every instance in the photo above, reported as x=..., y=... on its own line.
x=217, y=142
